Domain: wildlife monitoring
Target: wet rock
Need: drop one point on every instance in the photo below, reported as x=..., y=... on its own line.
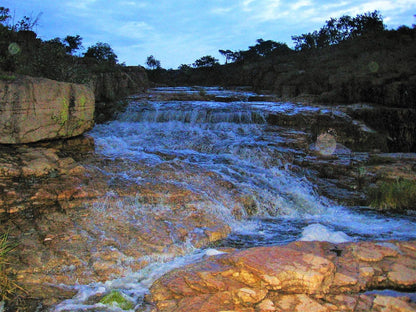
x=35, y=109
x=321, y=120
x=110, y=88
x=386, y=303
x=298, y=277
x=38, y=177
x=73, y=224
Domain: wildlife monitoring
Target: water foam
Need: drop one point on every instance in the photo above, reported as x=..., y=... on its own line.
x=319, y=232
x=242, y=153
x=227, y=140
x=135, y=285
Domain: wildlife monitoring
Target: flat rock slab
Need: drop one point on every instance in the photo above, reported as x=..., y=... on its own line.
x=302, y=276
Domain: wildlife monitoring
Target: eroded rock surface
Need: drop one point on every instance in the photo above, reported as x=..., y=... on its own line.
x=301, y=276
x=74, y=223
x=82, y=217
x=35, y=109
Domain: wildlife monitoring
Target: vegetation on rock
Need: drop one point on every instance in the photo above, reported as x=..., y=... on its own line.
x=116, y=299
x=22, y=53
x=8, y=286
x=394, y=195
x=349, y=60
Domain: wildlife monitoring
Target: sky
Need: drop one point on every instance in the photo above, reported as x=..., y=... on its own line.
x=180, y=32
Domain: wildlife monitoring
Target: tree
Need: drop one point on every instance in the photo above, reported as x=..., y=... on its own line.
x=228, y=54
x=367, y=23
x=102, y=52
x=4, y=14
x=152, y=62
x=264, y=47
x=72, y=43
x=27, y=23
x=341, y=29
x=206, y=61
x=184, y=67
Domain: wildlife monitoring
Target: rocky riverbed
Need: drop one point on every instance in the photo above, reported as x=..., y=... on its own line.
x=180, y=170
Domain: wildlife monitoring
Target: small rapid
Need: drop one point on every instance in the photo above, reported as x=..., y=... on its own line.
x=234, y=141
x=264, y=197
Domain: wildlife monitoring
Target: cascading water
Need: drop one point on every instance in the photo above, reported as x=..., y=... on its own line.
x=233, y=141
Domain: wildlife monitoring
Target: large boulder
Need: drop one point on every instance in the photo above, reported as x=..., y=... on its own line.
x=301, y=276
x=34, y=109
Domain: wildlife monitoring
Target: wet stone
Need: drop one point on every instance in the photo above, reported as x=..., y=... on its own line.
x=85, y=212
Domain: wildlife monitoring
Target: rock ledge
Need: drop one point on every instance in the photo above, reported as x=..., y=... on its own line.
x=34, y=109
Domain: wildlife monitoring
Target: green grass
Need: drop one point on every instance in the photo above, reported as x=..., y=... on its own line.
x=8, y=287
x=395, y=195
x=6, y=77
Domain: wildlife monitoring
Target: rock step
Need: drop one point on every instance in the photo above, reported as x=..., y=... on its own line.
x=301, y=276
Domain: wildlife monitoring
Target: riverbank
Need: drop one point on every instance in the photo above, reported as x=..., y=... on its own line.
x=183, y=169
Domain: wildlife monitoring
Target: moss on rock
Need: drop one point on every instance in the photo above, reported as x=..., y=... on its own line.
x=116, y=298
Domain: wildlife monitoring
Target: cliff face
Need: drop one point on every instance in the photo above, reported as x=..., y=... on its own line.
x=111, y=87
x=35, y=109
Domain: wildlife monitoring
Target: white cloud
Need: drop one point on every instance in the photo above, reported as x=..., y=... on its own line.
x=221, y=11
x=300, y=4
x=134, y=29
x=133, y=4
x=80, y=4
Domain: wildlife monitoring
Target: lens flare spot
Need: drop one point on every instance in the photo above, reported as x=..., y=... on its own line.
x=326, y=144
x=14, y=48
x=373, y=67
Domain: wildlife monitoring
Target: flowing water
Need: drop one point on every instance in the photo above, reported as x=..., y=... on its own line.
x=234, y=141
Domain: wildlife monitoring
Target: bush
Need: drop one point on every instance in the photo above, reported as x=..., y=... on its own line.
x=395, y=195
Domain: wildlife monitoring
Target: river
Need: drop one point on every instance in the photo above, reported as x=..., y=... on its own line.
x=233, y=140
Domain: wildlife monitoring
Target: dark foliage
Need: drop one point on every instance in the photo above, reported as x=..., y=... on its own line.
x=21, y=52
x=206, y=61
x=152, y=62
x=102, y=52
x=338, y=30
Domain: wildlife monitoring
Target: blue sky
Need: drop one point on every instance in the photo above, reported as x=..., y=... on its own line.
x=179, y=32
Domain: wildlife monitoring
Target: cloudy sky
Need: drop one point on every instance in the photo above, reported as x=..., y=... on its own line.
x=179, y=32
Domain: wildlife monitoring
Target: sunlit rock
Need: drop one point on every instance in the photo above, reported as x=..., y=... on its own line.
x=305, y=276
x=35, y=109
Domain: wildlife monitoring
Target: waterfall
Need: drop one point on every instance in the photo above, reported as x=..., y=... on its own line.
x=239, y=167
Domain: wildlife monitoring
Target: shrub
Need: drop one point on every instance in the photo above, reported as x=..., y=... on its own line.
x=396, y=195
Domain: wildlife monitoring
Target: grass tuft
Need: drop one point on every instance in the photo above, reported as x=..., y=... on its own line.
x=8, y=287
x=394, y=195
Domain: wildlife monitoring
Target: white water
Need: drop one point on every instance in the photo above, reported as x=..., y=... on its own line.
x=234, y=141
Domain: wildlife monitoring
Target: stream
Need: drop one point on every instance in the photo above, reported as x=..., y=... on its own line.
x=233, y=140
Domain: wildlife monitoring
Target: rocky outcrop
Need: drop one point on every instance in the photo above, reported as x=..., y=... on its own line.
x=111, y=87
x=302, y=276
x=73, y=224
x=35, y=109
x=398, y=124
